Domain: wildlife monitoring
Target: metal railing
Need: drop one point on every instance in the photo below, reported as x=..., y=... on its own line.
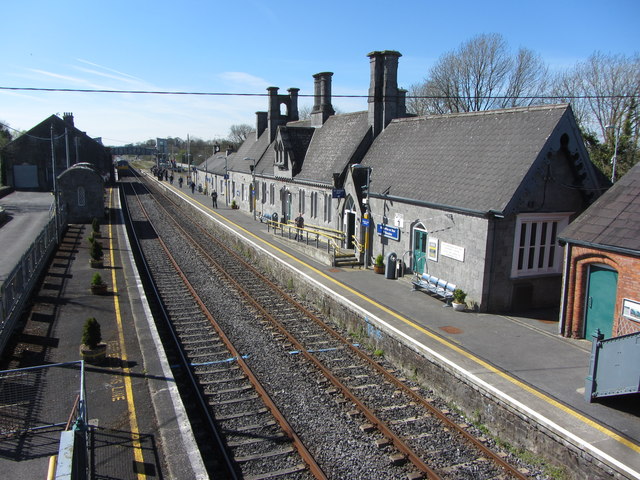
x=15, y=290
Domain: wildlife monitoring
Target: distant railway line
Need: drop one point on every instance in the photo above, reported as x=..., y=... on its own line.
x=283, y=393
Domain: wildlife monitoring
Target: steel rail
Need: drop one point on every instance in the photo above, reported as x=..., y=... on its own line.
x=306, y=456
x=194, y=382
x=476, y=443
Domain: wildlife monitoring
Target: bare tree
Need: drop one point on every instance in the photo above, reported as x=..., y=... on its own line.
x=480, y=75
x=604, y=91
x=238, y=133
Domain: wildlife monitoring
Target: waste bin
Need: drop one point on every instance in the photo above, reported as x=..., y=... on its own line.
x=390, y=268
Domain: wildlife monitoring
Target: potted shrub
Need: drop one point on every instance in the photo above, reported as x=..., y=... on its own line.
x=95, y=227
x=459, y=297
x=95, y=252
x=378, y=266
x=98, y=287
x=234, y=205
x=92, y=350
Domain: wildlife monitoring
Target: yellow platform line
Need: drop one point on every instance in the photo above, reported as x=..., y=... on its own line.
x=133, y=419
x=606, y=431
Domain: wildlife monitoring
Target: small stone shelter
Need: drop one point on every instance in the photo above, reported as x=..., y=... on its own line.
x=81, y=193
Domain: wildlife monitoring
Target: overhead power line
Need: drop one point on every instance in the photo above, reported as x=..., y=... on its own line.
x=229, y=94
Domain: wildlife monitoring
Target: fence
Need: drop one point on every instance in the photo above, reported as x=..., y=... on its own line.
x=15, y=290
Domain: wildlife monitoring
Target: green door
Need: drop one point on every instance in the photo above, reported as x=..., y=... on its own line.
x=601, y=301
x=419, y=250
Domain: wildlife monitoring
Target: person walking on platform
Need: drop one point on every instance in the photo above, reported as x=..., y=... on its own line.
x=299, y=222
x=180, y=181
x=193, y=187
x=214, y=199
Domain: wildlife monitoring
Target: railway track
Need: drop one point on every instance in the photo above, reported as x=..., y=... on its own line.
x=252, y=437
x=406, y=435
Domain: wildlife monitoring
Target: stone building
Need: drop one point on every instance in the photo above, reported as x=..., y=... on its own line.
x=31, y=161
x=602, y=264
x=81, y=193
x=476, y=198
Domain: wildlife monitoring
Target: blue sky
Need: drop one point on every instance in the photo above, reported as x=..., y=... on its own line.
x=245, y=47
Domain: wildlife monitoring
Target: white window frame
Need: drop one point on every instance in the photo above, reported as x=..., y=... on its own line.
x=533, y=252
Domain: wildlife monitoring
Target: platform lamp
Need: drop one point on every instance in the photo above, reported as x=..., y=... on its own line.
x=367, y=211
x=226, y=181
x=253, y=184
x=614, y=159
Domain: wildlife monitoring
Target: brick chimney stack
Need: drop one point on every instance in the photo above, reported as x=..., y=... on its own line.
x=68, y=118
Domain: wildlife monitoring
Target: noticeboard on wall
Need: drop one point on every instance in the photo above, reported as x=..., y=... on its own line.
x=631, y=310
x=452, y=251
x=432, y=250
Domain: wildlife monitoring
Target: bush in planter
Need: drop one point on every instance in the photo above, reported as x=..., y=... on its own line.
x=234, y=205
x=95, y=250
x=378, y=265
x=91, y=334
x=98, y=287
x=459, y=297
x=95, y=225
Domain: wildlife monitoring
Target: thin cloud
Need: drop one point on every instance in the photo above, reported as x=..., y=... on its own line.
x=243, y=79
x=117, y=72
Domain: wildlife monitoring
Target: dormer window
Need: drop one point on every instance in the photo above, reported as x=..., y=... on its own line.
x=281, y=156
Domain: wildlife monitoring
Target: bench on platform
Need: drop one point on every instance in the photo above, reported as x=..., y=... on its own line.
x=435, y=286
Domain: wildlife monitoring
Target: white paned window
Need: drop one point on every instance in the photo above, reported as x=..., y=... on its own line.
x=536, y=250
x=272, y=194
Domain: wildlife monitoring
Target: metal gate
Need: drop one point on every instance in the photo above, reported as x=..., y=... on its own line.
x=615, y=366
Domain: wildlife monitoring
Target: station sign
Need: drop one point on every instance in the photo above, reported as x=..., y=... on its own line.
x=388, y=232
x=338, y=193
x=365, y=222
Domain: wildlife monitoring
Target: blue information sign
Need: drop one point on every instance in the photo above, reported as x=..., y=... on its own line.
x=338, y=193
x=389, y=232
x=365, y=222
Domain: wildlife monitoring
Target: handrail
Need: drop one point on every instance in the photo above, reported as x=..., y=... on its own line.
x=357, y=244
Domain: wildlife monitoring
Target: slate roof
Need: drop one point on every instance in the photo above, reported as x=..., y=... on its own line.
x=614, y=219
x=251, y=148
x=486, y=155
x=333, y=146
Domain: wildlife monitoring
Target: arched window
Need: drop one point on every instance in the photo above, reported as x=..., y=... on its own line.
x=82, y=200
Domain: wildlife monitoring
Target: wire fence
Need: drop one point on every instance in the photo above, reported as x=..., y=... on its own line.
x=43, y=397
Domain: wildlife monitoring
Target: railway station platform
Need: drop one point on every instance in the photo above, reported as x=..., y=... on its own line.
x=133, y=402
x=521, y=360
x=139, y=426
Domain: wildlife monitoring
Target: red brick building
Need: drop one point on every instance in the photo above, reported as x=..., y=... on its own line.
x=601, y=281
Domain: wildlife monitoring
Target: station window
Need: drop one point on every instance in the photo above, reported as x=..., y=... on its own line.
x=301, y=201
x=536, y=250
x=82, y=200
x=327, y=207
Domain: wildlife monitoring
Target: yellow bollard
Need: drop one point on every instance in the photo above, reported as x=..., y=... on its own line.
x=53, y=463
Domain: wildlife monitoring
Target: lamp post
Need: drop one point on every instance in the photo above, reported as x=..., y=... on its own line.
x=253, y=184
x=226, y=181
x=367, y=215
x=614, y=159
